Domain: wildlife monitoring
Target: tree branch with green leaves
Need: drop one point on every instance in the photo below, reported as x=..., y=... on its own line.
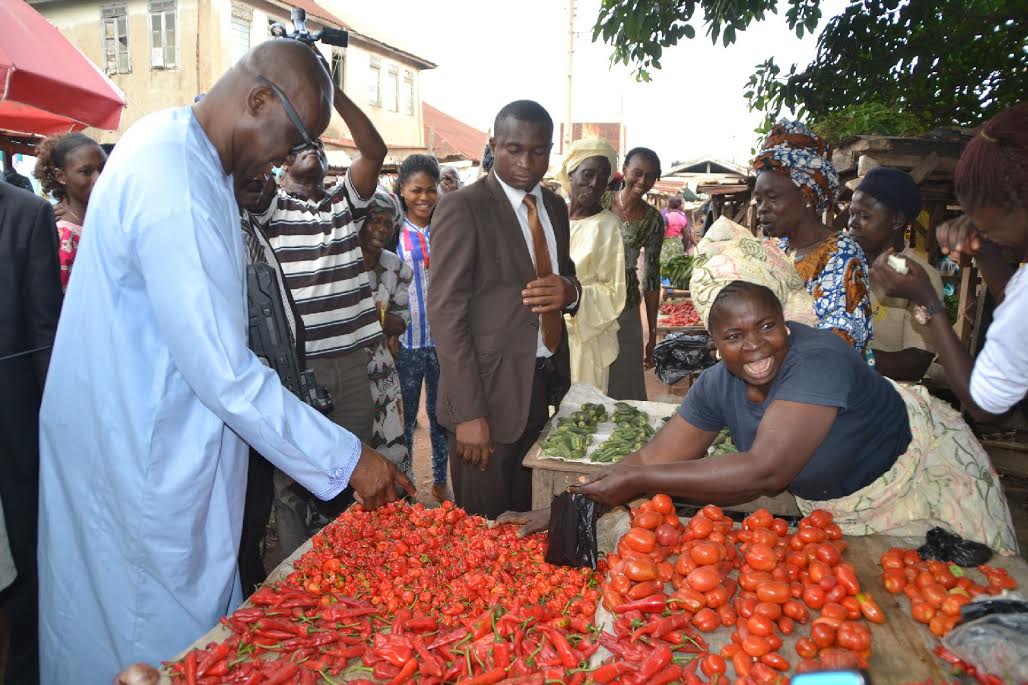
x=921, y=64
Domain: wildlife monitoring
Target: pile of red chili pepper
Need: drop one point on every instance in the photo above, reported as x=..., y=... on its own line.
x=680, y=313
x=405, y=594
x=937, y=589
x=784, y=580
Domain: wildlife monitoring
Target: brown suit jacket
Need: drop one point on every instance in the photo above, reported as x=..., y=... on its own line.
x=486, y=338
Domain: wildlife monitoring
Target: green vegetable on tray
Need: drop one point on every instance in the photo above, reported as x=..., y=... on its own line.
x=722, y=444
x=678, y=271
x=632, y=432
x=573, y=434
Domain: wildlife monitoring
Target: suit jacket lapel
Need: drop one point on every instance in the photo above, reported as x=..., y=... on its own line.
x=510, y=229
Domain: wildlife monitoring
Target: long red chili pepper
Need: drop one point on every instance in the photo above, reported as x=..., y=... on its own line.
x=288, y=670
x=654, y=604
x=609, y=672
x=405, y=674
x=191, y=668
x=487, y=678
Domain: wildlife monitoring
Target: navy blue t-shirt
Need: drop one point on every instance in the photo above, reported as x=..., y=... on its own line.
x=870, y=431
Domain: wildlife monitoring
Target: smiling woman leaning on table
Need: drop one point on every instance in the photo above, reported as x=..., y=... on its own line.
x=809, y=416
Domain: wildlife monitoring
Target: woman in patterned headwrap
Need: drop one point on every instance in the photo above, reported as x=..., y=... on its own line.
x=796, y=183
x=390, y=278
x=599, y=255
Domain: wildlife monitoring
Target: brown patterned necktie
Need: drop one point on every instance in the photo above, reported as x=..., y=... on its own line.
x=550, y=321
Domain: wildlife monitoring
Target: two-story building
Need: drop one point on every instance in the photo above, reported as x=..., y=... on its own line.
x=163, y=53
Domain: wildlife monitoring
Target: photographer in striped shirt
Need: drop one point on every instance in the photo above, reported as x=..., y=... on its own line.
x=312, y=231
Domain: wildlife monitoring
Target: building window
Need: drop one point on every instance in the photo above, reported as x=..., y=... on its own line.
x=407, y=98
x=392, y=90
x=163, y=35
x=375, y=83
x=242, y=24
x=115, y=38
x=339, y=68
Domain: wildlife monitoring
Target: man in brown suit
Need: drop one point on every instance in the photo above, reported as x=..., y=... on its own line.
x=496, y=312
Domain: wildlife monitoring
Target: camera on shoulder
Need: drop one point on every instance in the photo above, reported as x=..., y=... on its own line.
x=327, y=35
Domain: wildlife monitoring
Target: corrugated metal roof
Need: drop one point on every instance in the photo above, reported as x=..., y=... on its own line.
x=447, y=136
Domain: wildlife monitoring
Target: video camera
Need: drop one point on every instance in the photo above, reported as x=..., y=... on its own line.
x=327, y=35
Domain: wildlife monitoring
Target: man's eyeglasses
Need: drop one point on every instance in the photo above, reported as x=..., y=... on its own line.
x=307, y=143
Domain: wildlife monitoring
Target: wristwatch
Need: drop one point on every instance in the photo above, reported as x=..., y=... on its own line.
x=923, y=314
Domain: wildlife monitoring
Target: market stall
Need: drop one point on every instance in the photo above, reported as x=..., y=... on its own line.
x=661, y=608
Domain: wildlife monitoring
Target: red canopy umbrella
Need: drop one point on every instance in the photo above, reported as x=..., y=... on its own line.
x=47, y=85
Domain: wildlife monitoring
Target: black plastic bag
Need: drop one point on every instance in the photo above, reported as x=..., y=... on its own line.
x=972, y=611
x=946, y=546
x=572, y=534
x=680, y=354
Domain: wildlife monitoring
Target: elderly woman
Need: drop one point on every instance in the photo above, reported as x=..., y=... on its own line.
x=796, y=183
x=390, y=278
x=991, y=182
x=883, y=207
x=643, y=232
x=449, y=180
x=598, y=252
x=881, y=457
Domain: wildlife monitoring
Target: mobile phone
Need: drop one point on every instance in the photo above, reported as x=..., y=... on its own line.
x=831, y=678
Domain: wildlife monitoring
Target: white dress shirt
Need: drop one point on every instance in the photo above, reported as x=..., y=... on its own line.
x=517, y=202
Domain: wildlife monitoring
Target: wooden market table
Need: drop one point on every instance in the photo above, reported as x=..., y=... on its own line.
x=902, y=648
x=550, y=477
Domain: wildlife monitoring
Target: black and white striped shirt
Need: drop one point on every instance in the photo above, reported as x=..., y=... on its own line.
x=319, y=250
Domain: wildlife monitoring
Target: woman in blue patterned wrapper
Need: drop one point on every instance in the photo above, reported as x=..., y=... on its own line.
x=796, y=183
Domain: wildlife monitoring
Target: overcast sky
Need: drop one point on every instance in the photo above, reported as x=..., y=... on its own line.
x=490, y=52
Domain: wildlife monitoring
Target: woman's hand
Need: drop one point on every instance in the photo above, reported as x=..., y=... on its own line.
x=613, y=487
x=959, y=237
x=913, y=285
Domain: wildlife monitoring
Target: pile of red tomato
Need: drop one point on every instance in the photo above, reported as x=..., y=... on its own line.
x=681, y=313
x=937, y=589
x=760, y=580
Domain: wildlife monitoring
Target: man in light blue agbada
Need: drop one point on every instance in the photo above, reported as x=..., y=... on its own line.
x=153, y=395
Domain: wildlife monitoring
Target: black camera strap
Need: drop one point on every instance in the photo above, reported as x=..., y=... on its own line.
x=25, y=353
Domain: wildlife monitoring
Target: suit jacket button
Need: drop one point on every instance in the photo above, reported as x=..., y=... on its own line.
x=534, y=324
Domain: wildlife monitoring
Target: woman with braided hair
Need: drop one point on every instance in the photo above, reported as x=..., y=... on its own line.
x=417, y=187
x=991, y=183
x=67, y=166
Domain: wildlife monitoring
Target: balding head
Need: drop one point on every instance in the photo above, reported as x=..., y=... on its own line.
x=247, y=120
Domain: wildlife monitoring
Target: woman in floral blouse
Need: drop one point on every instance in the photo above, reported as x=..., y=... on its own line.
x=796, y=182
x=389, y=277
x=643, y=230
x=67, y=167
